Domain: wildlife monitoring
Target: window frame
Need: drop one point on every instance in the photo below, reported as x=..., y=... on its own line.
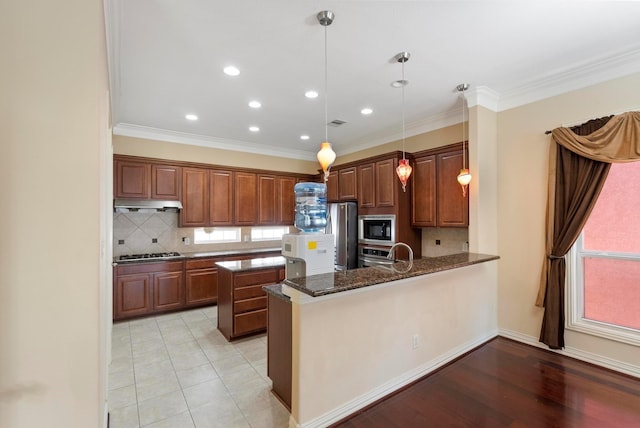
x=237, y=230
x=574, y=300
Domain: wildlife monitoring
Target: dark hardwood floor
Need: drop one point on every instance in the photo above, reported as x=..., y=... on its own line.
x=508, y=384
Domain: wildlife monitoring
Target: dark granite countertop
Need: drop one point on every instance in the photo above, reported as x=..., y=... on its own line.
x=276, y=291
x=252, y=264
x=320, y=285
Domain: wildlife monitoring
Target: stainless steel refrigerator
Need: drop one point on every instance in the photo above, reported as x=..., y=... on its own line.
x=342, y=222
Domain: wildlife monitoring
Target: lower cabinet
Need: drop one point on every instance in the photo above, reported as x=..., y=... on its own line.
x=279, y=346
x=201, y=282
x=146, y=288
x=242, y=303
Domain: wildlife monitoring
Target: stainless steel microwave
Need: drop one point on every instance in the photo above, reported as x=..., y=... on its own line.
x=377, y=229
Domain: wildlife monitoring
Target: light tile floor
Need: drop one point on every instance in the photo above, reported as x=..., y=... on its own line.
x=177, y=371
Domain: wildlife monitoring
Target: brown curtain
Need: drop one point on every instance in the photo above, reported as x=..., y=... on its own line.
x=578, y=168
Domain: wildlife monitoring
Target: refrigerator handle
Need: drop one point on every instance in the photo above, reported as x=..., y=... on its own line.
x=329, y=229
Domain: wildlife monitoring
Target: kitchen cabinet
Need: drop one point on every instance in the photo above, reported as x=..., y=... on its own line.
x=367, y=185
x=201, y=281
x=245, y=198
x=332, y=186
x=146, y=180
x=146, y=288
x=220, y=198
x=437, y=199
x=195, y=197
x=286, y=200
x=279, y=347
x=347, y=184
x=267, y=199
x=377, y=184
x=242, y=303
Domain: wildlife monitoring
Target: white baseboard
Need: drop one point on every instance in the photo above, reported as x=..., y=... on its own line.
x=392, y=385
x=599, y=360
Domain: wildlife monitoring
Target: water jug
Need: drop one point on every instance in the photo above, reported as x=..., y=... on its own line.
x=311, y=207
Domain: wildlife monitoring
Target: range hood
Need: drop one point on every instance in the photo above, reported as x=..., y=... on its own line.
x=145, y=204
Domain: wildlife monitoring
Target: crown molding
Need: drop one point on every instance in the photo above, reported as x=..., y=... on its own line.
x=483, y=96
x=149, y=133
x=590, y=73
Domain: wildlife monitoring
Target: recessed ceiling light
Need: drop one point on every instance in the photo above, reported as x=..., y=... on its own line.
x=255, y=104
x=231, y=71
x=366, y=111
x=254, y=129
x=304, y=137
x=399, y=83
x=191, y=117
x=311, y=94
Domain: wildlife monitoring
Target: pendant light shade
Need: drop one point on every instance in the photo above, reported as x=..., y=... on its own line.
x=404, y=169
x=326, y=156
x=464, y=177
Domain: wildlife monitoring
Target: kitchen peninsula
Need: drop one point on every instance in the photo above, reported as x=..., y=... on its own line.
x=359, y=335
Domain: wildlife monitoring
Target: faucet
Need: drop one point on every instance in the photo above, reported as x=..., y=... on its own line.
x=393, y=247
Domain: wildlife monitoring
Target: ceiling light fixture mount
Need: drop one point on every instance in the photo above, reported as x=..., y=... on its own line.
x=464, y=178
x=404, y=169
x=326, y=156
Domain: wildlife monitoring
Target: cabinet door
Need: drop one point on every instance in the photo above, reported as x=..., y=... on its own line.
x=286, y=200
x=385, y=183
x=348, y=184
x=132, y=296
x=267, y=203
x=195, y=197
x=201, y=286
x=332, y=187
x=133, y=180
x=245, y=200
x=423, y=192
x=367, y=184
x=165, y=182
x=453, y=208
x=168, y=291
x=220, y=198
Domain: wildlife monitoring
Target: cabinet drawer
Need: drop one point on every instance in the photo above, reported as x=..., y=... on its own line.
x=248, y=292
x=247, y=305
x=201, y=263
x=262, y=277
x=251, y=321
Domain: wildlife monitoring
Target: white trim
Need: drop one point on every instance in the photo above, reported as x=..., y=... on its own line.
x=578, y=354
x=392, y=385
x=483, y=96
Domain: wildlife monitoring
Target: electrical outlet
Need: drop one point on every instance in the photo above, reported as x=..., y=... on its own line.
x=186, y=240
x=437, y=242
x=415, y=341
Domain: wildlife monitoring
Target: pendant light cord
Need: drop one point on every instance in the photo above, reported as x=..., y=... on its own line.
x=464, y=163
x=404, y=83
x=326, y=90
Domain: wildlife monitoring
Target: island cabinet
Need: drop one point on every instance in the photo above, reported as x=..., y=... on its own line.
x=145, y=288
x=242, y=303
x=437, y=199
x=146, y=180
x=279, y=346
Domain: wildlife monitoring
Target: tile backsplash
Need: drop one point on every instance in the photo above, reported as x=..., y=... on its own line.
x=453, y=240
x=138, y=230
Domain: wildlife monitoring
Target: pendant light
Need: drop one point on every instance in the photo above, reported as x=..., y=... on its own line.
x=464, y=178
x=404, y=169
x=326, y=156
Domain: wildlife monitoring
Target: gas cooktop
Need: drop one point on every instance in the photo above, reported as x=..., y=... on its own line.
x=149, y=256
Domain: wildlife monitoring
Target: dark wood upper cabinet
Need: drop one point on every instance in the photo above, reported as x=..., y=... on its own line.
x=367, y=185
x=453, y=207
x=195, y=197
x=348, y=184
x=132, y=180
x=220, y=198
x=423, y=192
x=245, y=198
x=165, y=182
x=267, y=199
x=332, y=186
x=385, y=183
x=286, y=200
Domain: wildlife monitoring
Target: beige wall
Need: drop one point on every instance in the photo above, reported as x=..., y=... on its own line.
x=55, y=130
x=522, y=168
x=184, y=152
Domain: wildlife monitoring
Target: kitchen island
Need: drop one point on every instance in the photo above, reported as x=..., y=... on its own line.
x=242, y=302
x=359, y=335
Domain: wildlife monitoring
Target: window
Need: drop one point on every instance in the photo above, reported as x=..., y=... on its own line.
x=268, y=233
x=603, y=279
x=216, y=235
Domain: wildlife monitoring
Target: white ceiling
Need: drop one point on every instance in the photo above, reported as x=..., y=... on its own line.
x=166, y=60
